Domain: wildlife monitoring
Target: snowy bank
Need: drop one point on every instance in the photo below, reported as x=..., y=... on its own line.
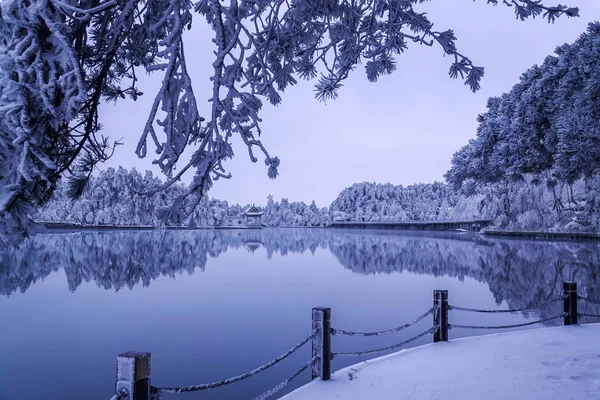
x=549, y=363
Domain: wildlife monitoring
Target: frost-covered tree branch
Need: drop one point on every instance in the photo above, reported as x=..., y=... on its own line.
x=532, y=8
x=61, y=58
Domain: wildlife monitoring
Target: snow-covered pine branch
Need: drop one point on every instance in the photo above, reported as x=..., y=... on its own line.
x=41, y=90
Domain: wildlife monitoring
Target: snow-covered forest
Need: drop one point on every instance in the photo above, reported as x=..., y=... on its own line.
x=113, y=198
x=515, y=205
x=62, y=59
x=541, y=138
x=532, y=166
x=512, y=205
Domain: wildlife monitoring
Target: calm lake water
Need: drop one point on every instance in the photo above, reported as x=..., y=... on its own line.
x=212, y=304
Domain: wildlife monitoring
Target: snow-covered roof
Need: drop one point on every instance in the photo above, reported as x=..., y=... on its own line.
x=253, y=211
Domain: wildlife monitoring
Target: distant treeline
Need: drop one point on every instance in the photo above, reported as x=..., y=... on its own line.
x=116, y=197
x=109, y=200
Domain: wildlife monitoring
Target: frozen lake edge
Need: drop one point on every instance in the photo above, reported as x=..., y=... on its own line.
x=557, y=362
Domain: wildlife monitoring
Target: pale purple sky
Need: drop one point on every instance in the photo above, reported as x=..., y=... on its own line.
x=402, y=129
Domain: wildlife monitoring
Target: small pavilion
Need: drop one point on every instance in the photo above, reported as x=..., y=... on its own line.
x=253, y=217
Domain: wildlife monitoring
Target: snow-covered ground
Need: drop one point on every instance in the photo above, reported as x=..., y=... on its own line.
x=549, y=363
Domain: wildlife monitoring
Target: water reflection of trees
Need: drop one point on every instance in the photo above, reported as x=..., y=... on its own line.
x=521, y=273
x=127, y=258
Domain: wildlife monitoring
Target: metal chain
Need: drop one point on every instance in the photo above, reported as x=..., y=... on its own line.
x=386, y=332
x=277, y=388
x=588, y=300
x=395, y=346
x=121, y=395
x=589, y=315
x=154, y=394
x=195, y=388
x=528, y=308
x=450, y=326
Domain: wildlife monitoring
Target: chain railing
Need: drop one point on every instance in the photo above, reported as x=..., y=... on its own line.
x=589, y=315
x=133, y=380
x=283, y=384
x=387, y=348
x=597, y=302
x=588, y=300
x=514, y=310
x=157, y=391
x=539, y=321
x=527, y=309
x=238, y=378
x=336, y=331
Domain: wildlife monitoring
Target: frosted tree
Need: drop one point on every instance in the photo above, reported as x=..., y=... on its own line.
x=59, y=59
x=388, y=203
x=294, y=214
x=544, y=130
x=107, y=201
x=546, y=125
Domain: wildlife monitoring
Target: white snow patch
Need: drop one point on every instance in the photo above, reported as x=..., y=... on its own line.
x=548, y=363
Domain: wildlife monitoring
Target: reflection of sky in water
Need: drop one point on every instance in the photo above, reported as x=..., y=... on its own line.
x=245, y=308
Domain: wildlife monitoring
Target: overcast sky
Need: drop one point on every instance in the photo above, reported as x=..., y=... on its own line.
x=402, y=129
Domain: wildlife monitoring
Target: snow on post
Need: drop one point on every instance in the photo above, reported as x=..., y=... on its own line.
x=321, y=345
x=440, y=316
x=133, y=374
x=570, y=295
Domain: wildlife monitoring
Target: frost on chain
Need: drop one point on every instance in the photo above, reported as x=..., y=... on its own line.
x=62, y=58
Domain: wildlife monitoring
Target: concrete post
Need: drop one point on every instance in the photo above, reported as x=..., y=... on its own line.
x=321, y=345
x=570, y=302
x=440, y=317
x=133, y=375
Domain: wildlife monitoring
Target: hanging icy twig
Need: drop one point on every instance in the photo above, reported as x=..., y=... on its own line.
x=85, y=13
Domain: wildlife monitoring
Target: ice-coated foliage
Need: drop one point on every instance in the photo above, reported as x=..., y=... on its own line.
x=544, y=131
x=41, y=91
x=61, y=58
x=386, y=202
x=287, y=213
x=109, y=200
x=524, y=205
x=546, y=126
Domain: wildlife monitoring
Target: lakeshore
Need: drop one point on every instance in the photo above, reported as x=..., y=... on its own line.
x=548, y=363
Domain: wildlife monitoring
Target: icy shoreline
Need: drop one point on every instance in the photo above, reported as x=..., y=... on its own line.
x=548, y=363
